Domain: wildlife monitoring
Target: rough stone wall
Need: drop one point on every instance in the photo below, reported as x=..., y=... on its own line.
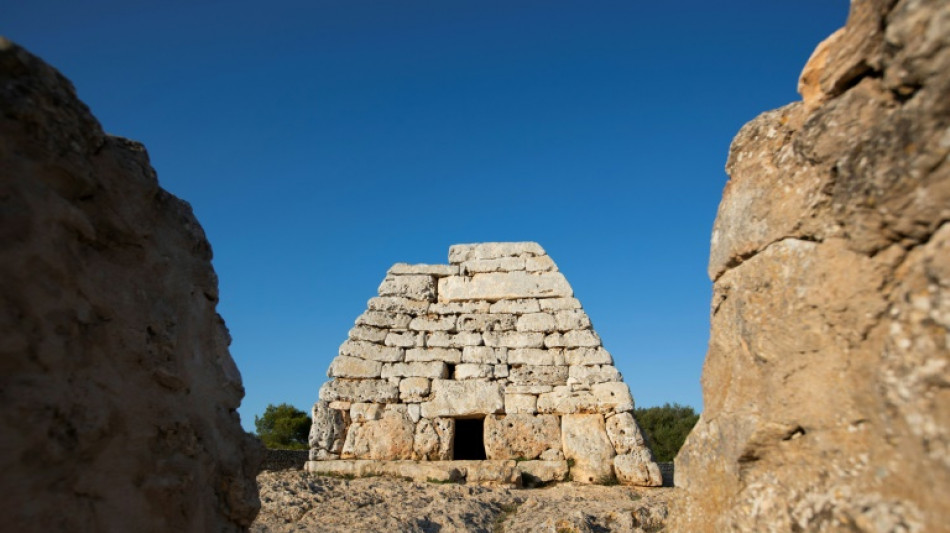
x=118, y=396
x=495, y=334
x=826, y=384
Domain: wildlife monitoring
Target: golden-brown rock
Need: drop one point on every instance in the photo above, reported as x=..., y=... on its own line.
x=827, y=381
x=118, y=393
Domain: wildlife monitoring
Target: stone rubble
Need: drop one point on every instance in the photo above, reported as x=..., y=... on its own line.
x=495, y=336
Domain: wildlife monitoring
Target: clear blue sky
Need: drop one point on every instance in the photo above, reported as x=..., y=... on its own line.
x=320, y=142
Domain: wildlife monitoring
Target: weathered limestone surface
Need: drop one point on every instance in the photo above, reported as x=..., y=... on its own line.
x=826, y=381
x=497, y=337
x=118, y=393
x=584, y=439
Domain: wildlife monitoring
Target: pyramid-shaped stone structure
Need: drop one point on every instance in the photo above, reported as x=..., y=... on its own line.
x=487, y=358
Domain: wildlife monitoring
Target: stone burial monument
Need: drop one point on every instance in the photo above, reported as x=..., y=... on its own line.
x=485, y=370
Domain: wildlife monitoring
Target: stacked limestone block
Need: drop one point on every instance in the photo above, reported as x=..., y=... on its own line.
x=495, y=334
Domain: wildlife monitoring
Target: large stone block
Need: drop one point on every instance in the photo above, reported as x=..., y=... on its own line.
x=521, y=306
x=514, y=339
x=327, y=428
x=458, y=308
x=434, y=439
x=520, y=436
x=535, y=356
x=421, y=369
x=521, y=404
x=613, y=396
x=538, y=375
x=344, y=366
x=437, y=323
x=368, y=333
x=414, y=389
x=442, y=339
x=409, y=286
x=398, y=304
x=459, y=253
x=564, y=401
x=504, y=264
x=403, y=269
x=463, y=398
x=638, y=469
x=559, y=304
x=504, y=286
x=363, y=390
x=484, y=355
x=446, y=355
x=483, y=322
x=473, y=371
x=384, y=319
x=538, y=473
x=570, y=319
x=536, y=322
x=584, y=439
x=589, y=375
x=588, y=356
x=371, y=351
x=624, y=433
x=388, y=438
x=404, y=339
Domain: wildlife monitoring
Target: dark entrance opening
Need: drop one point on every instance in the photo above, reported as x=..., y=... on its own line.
x=469, y=439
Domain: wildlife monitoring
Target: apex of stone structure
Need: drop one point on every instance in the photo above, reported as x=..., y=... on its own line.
x=487, y=358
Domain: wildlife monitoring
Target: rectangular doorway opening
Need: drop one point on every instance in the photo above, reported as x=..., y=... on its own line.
x=469, y=439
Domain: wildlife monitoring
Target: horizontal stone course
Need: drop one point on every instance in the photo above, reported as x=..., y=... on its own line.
x=492, y=250
x=500, y=286
x=402, y=269
x=371, y=351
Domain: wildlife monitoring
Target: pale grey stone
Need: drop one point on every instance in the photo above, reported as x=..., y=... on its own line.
x=458, y=308
x=402, y=269
x=340, y=405
x=327, y=428
x=614, y=396
x=371, y=351
x=473, y=371
x=363, y=390
x=534, y=473
x=528, y=389
x=536, y=322
x=533, y=356
x=553, y=454
x=317, y=454
x=441, y=339
x=521, y=403
x=485, y=322
x=363, y=412
x=539, y=264
x=368, y=333
x=514, y=339
x=563, y=402
x=559, y=304
x=404, y=339
x=584, y=439
x=447, y=355
x=427, y=369
x=494, y=286
x=588, y=356
x=388, y=438
x=397, y=304
x=483, y=355
x=519, y=436
x=442, y=323
x=638, y=469
x=413, y=287
x=554, y=340
x=344, y=366
x=414, y=411
x=459, y=253
x=624, y=433
x=384, y=319
x=592, y=374
x=504, y=264
x=501, y=371
x=581, y=339
x=529, y=305
x=462, y=398
x=569, y=319
x=414, y=389
x=433, y=439
x=538, y=375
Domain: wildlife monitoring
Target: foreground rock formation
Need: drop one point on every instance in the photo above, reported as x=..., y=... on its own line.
x=298, y=501
x=827, y=385
x=118, y=396
x=488, y=357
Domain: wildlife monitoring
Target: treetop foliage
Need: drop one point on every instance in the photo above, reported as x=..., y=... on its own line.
x=666, y=428
x=283, y=427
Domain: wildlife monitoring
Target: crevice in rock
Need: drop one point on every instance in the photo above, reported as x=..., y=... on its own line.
x=737, y=260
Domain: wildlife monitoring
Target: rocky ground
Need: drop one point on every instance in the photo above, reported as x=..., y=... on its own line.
x=299, y=501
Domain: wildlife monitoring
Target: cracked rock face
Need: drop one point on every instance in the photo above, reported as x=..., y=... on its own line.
x=118, y=393
x=827, y=381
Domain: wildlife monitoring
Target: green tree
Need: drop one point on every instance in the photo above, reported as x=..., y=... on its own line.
x=666, y=428
x=283, y=427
